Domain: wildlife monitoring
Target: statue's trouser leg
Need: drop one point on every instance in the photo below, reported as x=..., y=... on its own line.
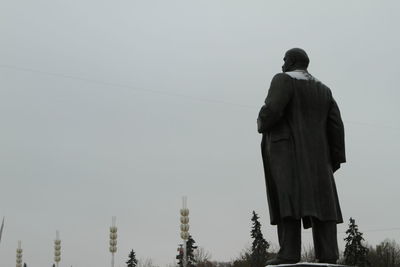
x=325, y=239
x=289, y=234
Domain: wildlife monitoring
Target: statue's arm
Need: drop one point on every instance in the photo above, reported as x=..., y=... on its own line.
x=336, y=138
x=279, y=95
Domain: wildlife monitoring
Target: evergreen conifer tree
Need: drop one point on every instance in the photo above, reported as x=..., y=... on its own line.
x=259, y=253
x=355, y=253
x=190, y=247
x=132, y=261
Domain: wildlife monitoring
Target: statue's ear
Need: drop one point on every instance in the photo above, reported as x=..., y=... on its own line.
x=291, y=61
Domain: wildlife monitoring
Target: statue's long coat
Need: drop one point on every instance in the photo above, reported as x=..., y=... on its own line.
x=302, y=145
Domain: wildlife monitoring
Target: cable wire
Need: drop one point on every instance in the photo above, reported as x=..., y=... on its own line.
x=193, y=98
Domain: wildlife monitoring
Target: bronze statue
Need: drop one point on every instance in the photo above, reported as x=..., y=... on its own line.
x=302, y=146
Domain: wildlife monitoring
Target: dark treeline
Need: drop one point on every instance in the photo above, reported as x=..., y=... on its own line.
x=357, y=252
x=386, y=254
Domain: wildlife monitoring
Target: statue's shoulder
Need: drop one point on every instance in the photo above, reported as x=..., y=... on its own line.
x=281, y=75
x=281, y=78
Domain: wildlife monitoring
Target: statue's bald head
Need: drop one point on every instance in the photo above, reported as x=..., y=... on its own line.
x=295, y=58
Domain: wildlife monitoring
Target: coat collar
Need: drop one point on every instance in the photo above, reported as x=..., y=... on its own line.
x=301, y=75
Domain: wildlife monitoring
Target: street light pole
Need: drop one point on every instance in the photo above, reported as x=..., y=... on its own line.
x=113, y=239
x=19, y=255
x=184, y=228
x=57, y=248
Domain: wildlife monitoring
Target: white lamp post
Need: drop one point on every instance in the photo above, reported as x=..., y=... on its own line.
x=184, y=228
x=113, y=239
x=57, y=248
x=19, y=255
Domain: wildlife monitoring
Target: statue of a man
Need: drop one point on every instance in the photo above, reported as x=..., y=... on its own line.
x=302, y=146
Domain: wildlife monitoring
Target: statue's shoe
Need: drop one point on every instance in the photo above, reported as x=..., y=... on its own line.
x=277, y=261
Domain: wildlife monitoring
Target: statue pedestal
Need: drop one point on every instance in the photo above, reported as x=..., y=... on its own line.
x=306, y=264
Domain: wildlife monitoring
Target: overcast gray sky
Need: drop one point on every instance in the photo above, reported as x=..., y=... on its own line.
x=122, y=107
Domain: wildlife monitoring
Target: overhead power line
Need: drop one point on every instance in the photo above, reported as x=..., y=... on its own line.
x=382, y=230
x=135, y=88
x=171, y=94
